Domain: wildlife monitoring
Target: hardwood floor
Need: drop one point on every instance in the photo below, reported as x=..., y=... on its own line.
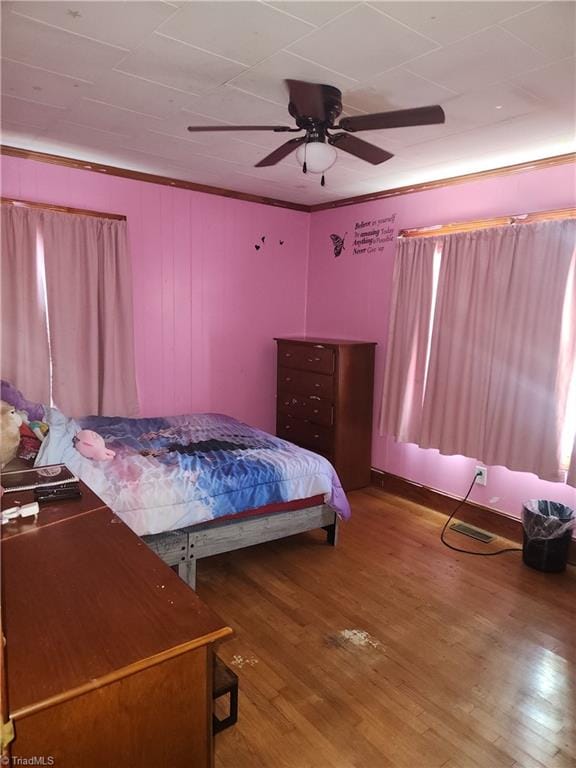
x=393, y=651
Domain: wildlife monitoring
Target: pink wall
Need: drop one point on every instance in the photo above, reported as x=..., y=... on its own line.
x=349, y=296
x=207, y=303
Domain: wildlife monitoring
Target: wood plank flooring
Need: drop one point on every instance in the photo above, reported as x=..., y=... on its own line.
x=392, y=651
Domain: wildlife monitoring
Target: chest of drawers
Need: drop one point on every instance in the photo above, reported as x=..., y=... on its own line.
x=324, y=401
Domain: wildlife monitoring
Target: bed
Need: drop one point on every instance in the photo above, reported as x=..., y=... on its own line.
x=198, y=485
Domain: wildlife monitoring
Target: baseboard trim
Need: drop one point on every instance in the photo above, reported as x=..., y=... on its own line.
x=476, y=514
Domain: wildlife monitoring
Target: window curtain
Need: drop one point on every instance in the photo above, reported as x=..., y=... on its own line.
x=503, y=348
x=408, y=336
x=461, y=356
x=24, y=351
x=89, y=288
x=67, y=328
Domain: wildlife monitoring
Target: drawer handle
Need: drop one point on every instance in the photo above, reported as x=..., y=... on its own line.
x=315, y=410
x=311, y=359
x=317, y=386
x=313, y=397
x=287, y=354
x=287, y=378
x=287, y=426
x=316, y=436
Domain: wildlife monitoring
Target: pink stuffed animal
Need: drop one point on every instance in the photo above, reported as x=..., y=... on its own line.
x=92, y=445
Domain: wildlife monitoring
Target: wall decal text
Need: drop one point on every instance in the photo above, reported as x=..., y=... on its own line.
x=371, y=235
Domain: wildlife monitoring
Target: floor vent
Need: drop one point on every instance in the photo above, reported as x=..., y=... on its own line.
x=474, y=533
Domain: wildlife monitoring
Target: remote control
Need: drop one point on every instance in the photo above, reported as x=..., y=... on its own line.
x=56, y=494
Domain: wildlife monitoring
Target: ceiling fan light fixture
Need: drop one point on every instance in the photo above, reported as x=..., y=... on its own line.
x=318, y=156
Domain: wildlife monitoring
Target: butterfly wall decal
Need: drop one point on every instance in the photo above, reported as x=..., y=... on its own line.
x=338, y=243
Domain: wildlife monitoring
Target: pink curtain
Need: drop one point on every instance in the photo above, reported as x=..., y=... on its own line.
x=456, y=398
x=503, y=347
x=408, y=335
x=25, y=360
x=90, y=314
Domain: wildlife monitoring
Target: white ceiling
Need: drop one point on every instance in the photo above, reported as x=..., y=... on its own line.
x=118, y=82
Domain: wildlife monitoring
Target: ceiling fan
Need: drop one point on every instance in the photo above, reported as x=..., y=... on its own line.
x=315, y=109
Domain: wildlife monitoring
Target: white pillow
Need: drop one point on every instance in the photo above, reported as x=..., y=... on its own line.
x=58, y=448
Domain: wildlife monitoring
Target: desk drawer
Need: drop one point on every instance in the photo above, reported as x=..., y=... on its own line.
x=305, y=383
x=306, y=358
x=312, y=436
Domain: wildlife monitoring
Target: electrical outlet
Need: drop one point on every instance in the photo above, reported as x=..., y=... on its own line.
x=481, y=475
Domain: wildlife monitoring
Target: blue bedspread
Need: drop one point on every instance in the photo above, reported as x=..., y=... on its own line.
x=172, y=472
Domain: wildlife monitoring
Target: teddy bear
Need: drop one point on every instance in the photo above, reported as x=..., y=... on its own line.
x=33, y=429
x=10, y=423
x=92, y=445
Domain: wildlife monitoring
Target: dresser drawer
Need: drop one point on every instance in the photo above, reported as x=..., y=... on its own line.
x=305, y=383
x=304, y=433
x=310, y=408
x=306, y=358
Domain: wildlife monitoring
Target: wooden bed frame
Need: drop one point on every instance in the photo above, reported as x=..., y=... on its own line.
x=184, y=547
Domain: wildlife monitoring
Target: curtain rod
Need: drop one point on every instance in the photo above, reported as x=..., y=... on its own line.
x=60, y=208
x=499, y=221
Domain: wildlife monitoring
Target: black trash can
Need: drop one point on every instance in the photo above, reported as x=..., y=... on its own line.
x=547, y=534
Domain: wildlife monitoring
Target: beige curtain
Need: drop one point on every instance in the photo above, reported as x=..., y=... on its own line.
x=503, y=347
x=90, y=314
x=408, y=335
x=24, y=354
x=456, y=399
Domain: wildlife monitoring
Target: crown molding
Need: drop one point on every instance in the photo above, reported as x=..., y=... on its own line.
x=151, y=178
x=546, y=162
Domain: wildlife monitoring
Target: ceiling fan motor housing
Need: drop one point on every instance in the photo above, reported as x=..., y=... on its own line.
x=331, y=108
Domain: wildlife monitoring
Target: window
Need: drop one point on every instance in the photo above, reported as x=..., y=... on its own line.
x=481, y=357
x=67, y=327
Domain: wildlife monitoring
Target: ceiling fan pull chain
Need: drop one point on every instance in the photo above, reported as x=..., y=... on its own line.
x=322, y=181
x=304, y=167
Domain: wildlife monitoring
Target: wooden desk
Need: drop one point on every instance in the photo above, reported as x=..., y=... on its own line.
x=109, y=654
x=50, y=514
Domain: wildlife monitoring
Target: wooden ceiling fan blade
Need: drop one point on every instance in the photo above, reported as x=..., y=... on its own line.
x=281, y=152
x=277, y=128
x=359, y=148
x=399, y=118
